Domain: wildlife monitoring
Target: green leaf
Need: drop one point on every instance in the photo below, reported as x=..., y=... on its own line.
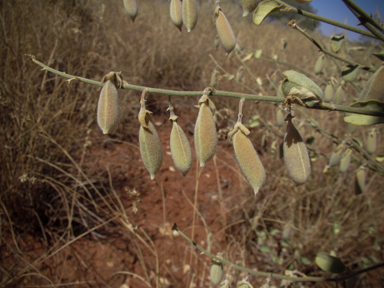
x=379, y=55
x=305, y=260
x=286, y=243
x=274, y=232
x=358, y=141
x=358, y=119
x=258, y=53
x=329, y=263
x=336, y=42
x=254, y=117
x=263, y=10
x=254, y=124
x=265, y=249
x=301, y=80
x=349, y=73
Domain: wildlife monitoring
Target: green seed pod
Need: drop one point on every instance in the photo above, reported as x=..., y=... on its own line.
x=176, y=13
x=189, y=14
x=150, y=144
x=280, y=92
x=319, y=66
x=248, y=6
x=360, y=180
x=247, y=157
x=217, y=272
x=328, y=93
x=108, y=112
x=224, y=29
x=131, y=8
x=180, y=148
x=374, y=89
x=372, y=141
x=205, y=131
x=336, y=157
x=279, y=117
x=345, y=161
x=329, y=263
x=296, y=156
x=339, y=95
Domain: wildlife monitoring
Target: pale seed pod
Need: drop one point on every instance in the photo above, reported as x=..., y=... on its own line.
x=345, y=161
x=131, y=8
x=205, y=131
x=296, y=156
x=213, y=82
x=329, y=263
x=319, y=66
x=176, y=13
x=247, y=157
x=224, y=29
x=217, y=272
x=189, y=8
x=279, y=117
x=360, y=180
x=248, y=6
x=335, y=158
x=339, y=95
x=328, y=93
x=239, y=74
x=180, y=148
x=372, y=141
x=374, y=89
x=280, y=92
x=108, y=111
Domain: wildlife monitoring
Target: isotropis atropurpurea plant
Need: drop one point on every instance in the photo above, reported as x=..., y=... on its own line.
x=336, y=78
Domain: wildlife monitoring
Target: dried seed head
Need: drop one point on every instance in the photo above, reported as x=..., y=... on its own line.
x=189, y=8
x=372, y=141
x=328, y=93
x=180, y=148
x=374, y=89
x=224, y=29
x=108, y=112
x=345, y=161
x=131, y=8
x=205, y=131
x=296, y=156
x=176, y=13
x=247, y=157
x=217, y=272
x=360, y=180
x=248, y=6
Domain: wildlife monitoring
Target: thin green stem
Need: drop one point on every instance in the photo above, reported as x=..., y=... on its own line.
x=290, y=8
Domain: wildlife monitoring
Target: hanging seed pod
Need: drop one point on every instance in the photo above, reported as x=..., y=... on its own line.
x=329, y=263
x=214, y=78
x=280, y=92
x=189, y=8
x=247, y=157
x=345, y=161
x=217, y=272
x=372, y=141
x=248, y=6
x=150, y=144
x=239, y=74
x=360, y=180
x=279, y=117
x=296, y=156
x=339, y=95
x=374, y=89
x=108, y=112
x=180, y=148
x=272, y=81
x=319, y=66
x=328, y=93
x=176, y=13
x=336, y=156
x=205, y=131
x=224, y=29
x=131, y=8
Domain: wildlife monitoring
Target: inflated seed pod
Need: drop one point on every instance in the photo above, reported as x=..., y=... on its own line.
x=131, y=8
x=150, y=144
x=189, y=9
x=224, y=29
x=296, y=156
x=360, y=180
x=217, y=272
x=328, y=93
x=279, y=117
x=205, y=131
x=339, y=96
x=319, y=66
x=329, y=263
x=247, y=157
x=108, y=111
x=372, y=141
x=248, y=6
x=374, y=89
x=345, y=161
x=176, y=13
x=180, y=148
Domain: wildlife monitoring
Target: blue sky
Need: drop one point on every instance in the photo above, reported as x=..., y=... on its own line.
x=336, y=10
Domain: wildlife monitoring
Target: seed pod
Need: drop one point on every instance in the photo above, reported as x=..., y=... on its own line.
x=224, y=29
x=217, y=272
x=279, y=117
x=345, y=161
x=108, y=112
x=372, y=141
x=336, y=157
x=296, y=156
x=239, y=74
x=205, y=131
x=247, y=157
x=176, y=13
x=319, y=66
x=280, y=92
x=131, y=8
x=248, y=6
x=328, y=93
x=180, y=148
x=351, y=128
x=374, y=89
x=150, y=144
x=272, y=81
x=360, y=180
x=339, y=95
x=189, y=8
x=329, y=263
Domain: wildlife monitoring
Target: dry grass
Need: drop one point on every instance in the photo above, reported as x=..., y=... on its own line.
x=64, y=185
